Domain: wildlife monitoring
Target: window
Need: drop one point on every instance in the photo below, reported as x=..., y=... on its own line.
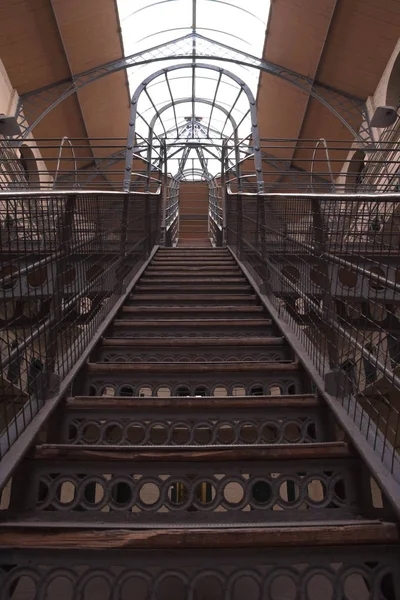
x=193, y=103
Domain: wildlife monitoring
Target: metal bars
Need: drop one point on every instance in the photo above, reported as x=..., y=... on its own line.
x=66, y=258
x=332, y=274
x=34, y=106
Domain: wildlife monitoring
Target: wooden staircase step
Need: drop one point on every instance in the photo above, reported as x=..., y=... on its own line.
x=238, y=367
x=203, y=262
x=185, y=350
x=55, y=536
x=177, y=402
x=183, y=298
x=188, y=343
x=217, y=422
x=194, y=252
x=192, y=323
x=188, y=279
x=182, y=272
x=192, y=268
x=164, y=310
x=106, y=466
x=103, y=454
x=180, y=288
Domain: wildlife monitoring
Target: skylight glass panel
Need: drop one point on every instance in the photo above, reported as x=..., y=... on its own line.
x=164, y=28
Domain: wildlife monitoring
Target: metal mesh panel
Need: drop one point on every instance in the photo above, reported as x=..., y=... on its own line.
x=66, y=259
x=329, y=265
x=171, y=212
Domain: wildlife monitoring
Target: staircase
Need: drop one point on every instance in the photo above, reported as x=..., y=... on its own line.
x=194, y=459
x=193, y=215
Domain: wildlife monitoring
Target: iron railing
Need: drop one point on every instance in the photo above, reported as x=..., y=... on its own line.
x=329, y=265
x=317, y=166
x=287, y=165
x=67, y=259
x=79, y=163
x=215, y=211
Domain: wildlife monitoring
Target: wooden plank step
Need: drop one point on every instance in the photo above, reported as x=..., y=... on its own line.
x=178, y=273
x=186, y=309
x=177, y=402
x=190, y=255
x=188, y=343
x=196, y=269
x=223, y=276
x=192, y=323
x=194, y=253
x=202, y=241
x=198, y=298
x=231, y=367
x=287, y=452
x=211, y=248
x=28, y=536
x=212, y=259
x=205, y=262
x=187, y=279
x=244, y=288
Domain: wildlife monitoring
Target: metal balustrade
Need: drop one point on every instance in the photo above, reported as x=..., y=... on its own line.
x=328, y=264
x=67, y=260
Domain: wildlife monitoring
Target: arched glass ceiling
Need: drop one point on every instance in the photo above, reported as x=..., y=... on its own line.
x=239, y=24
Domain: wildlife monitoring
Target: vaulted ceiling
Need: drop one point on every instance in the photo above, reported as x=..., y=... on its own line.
x=341, y=43
x=344, y=44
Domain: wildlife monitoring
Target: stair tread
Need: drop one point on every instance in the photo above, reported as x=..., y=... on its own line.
x=193, y=281
x=183, y=296
x=209, y=288
x=199, y=454
x=191, y=367
x=182, y=402
x=191, y=322
x=173, y=309
x=187, y=342
x=198, y=272
x=168, y=266
x=288, y=535
x=217, y=261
